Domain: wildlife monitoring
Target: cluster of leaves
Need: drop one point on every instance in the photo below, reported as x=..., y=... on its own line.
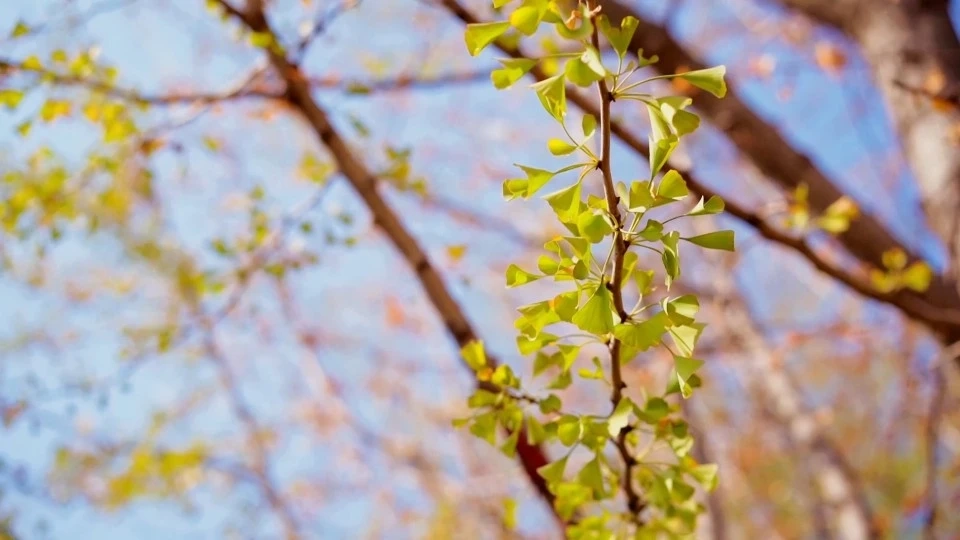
x=834, y=220
x=619, y=488
x=150, y=471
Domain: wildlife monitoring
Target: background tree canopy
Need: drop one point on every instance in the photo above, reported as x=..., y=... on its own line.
x=245, y=249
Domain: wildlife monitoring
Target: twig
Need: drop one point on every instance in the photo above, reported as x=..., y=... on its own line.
x=937, y=318
x=635, y=503
x=240, y=91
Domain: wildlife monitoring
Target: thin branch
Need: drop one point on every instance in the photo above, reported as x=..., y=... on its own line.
x=365, y=184
x=239, y=91
x=261, y=464
x=402, y=82
x=914, y=306
x=635, y=503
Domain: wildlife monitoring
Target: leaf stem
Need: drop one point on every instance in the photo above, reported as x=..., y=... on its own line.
x=634, y=502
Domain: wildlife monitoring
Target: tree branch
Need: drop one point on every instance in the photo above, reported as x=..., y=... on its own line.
x=364, y=183
x=867, y=238
x=932, y=315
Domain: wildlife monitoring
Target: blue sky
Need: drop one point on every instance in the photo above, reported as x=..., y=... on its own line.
x=454, y=131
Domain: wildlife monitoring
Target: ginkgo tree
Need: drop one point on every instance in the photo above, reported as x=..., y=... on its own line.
x=620, y=487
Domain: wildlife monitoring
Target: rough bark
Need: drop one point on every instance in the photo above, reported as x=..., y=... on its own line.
x=914, y=55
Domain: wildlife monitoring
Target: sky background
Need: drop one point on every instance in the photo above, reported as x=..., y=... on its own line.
x=465, y=138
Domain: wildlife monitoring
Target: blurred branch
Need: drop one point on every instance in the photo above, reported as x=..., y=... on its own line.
x=932, y=434
x=237, y=92
x=365, y=183
x=867, y=238
x=320, y=24
x=933, y=316
x=401, y=82
x=854, y=515
x=261, y=459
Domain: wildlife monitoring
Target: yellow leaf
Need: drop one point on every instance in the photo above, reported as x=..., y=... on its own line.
x=456, y=252
x=10, y=97
x=20, y=29
x=894, y=259
x=59, y=56
x=32, y=62
x=211, y=144
x=53, y=109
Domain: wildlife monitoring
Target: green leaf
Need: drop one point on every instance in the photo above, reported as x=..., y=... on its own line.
x=620, y=417
x=581, y=73
x=682, y=310
x=478, y=36
x=656, y=408
x=527, y=345
x=547, y=265
x=553, y=96
x=509, y=446
x=569, y=430
x=684, y=123
x=640, y=197
x=10, y=98
x=517, y=276
x=710, y=79
x=671, y=256
x=503, y=376
x=482, y=398
x=672, y=186
x=512, y=71
x=706, y=475
x=526, y=188
x=551, y=404
x=714, y=240
x=560, y=147
x=553, y=472
x=534, y=318
x=685, y=336
x=474, y=355
x=652, y=231
x=589, y=125
x=619, y=38
x=526, y=19
x=659, y=127
x=535, y=432
x=596, y=315
x=500, y=3
x=713, y=206
x=593, y=225
x=591, y=475
x=565, y=305
x=566, y=202
x=685, y=368
x=660, y=152
x=642, y=335
x=485, y=427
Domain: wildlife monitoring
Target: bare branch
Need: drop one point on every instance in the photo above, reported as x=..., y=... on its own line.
x=239, y=91
x=365, y=184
